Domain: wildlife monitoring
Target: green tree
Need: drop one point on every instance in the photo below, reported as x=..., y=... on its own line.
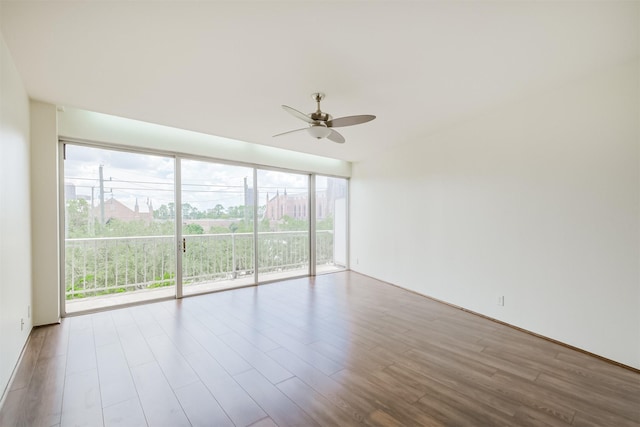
x=190, y=212
x=291, y=224
x=264, y=225
x=193, y=229
x=236, y=211
x=78, y=218
x=325, y=224
x=217, y=211
x=161, y=213
x=216, y=229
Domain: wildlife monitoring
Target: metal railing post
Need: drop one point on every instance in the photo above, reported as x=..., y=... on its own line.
x=234, y=273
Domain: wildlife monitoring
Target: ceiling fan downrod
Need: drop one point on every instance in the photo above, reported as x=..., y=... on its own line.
x=319, y=116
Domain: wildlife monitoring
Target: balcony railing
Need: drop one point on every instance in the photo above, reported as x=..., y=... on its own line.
x=109, y=265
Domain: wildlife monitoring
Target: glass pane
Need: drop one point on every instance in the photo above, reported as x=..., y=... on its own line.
x=119, y=227
x=331, y=224
x=283, y=232
x=217, y=225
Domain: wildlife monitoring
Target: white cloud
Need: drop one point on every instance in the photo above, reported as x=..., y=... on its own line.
x=129, y=176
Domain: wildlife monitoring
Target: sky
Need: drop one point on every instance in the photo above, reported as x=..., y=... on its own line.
x=129, y=176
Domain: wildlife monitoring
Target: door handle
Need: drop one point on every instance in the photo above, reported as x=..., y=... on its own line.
x=184, y=245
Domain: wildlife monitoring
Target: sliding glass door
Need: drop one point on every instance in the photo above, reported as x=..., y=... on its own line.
x=141, y=227
x=217, y=226
x=119, y=227
x=283, y=231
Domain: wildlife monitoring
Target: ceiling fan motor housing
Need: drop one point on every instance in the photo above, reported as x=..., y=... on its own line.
x=319, y=116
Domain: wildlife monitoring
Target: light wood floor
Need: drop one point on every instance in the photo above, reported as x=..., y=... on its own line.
x=342, y=349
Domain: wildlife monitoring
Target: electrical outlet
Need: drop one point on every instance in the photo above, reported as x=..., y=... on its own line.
x=21, y=324
x=501, y=300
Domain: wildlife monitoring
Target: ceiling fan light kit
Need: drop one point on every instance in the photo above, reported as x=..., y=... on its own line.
x=321, y=124
x=319, y=131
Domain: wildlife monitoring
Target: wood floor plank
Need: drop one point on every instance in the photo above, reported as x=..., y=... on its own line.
x=233, y=399
x=81, y=405
x=204, y=314
x=201, y=407
x=125, y=324
x=387, y=405
x=127, y=413
x=277, y=405
x=175, y=367
x=31, y=354
x=116, y=383
x=599, y=419
x=137, y=351
x=81, y=354
x=258, y=360
x=42, y=404
x=11, y=413
x=357, y=408
x=173, y=326
x=343, y=337
x=104, y=330
x=526, y=416
x=351, y=356
x=265, y=422
x=159, y=403
x=133, y=343
x=603, y=371
x=303, y=351
x=145, y=321
x=617, y=410
x=313, y=403
x=472, y=385
x=224, y=355
x=248, y=331
x=531, y=396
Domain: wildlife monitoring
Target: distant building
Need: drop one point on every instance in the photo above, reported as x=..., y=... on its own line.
x=69, y=191
x=280, y=205
x=71, y=194
x=114, y=209
x=296, y=206
x=248, y=194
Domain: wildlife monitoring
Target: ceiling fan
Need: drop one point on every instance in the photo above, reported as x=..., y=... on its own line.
x=321, y=124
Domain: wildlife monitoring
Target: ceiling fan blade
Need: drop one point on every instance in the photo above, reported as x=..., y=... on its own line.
x=298, y=114
x=336, y=137
x=291, y=131
x=350, y=120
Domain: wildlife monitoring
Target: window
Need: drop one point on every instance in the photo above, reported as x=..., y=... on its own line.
x=130, y=236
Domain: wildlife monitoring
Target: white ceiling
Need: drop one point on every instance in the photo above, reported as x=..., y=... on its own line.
x=224, y=68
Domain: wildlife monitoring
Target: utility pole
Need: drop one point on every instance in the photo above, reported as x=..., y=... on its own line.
x=91, y=224
x=101, y=196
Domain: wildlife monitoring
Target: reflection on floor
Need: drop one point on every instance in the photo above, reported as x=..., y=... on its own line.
x=114, y=300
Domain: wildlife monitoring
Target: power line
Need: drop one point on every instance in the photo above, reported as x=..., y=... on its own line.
x=279, y=187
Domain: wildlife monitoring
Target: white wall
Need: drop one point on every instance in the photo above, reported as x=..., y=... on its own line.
x=15, y=220
x=538, y=201
x=44, y=214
